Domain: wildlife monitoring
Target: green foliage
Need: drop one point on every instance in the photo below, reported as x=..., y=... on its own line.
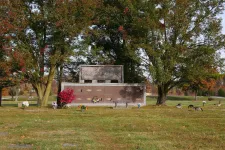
x=43, y=40
x=221, y=92
x=211, y=93
x=176, y=41
x=110, y=39
x=180, y=40
x=200, y=93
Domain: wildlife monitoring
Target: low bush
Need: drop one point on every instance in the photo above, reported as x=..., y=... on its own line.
x=66, y=96
x=210, y=98
x=221, y=92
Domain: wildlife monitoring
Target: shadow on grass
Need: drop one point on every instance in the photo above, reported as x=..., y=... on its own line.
x=179, y=98
x=176, y=98
x=9, y=105
x=15, y=105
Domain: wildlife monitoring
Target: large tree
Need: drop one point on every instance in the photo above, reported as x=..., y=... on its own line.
x=200, y=82
x=6, y=78
x=48, y=30
x=110, y=40
x=178, y=38
x=6, y=65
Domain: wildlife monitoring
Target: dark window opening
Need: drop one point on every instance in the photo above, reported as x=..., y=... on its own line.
x=101, y=81
x=114, y=81
x=87, y=81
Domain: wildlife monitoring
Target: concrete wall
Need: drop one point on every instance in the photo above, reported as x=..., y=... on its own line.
x=108, y=93
x=101, y=73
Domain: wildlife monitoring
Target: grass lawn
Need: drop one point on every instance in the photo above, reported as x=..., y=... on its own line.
x=148, y=128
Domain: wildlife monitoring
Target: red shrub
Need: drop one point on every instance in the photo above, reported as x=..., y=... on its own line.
x=67, y=96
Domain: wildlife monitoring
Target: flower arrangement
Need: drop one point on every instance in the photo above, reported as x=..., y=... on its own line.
x=95, y=99
x=82, y=107
x=54, y=105
x=139, y=105
x=25, y=104
x=203, y=102
x=66, y=96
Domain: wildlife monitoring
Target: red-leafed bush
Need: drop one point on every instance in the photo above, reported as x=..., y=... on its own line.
x=66, y=96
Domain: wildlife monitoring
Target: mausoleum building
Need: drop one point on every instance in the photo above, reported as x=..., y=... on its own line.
x=103, y=85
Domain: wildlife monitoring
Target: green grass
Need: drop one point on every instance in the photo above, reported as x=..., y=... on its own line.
x=32, y=102
x=149, y=128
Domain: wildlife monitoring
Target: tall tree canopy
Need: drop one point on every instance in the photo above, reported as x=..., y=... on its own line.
x=47, y=29
x=6, y=65
x=110, y=38
x=178, y=38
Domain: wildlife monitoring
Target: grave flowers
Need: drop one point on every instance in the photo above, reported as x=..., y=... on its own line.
x=203, y=103
x=25, y=104
x=96, y=99
x=83, y=107
x=139, y=105
x=54, y=105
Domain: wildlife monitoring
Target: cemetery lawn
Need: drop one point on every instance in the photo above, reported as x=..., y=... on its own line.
x=148, y=128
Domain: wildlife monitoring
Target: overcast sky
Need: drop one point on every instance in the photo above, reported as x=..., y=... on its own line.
x=223, y=31
x=223, y=21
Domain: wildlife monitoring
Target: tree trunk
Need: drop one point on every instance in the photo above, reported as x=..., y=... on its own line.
x=0, y=96
x=48, y=86
x=39, y=92
x=17, y=94
x=42, y=90
x=196, y=95
x=60, y=73
x=161, y=100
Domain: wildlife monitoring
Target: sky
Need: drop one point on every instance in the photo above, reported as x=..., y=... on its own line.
x=223, y=21
x=223, y=31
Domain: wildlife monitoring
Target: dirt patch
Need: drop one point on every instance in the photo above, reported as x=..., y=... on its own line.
x=4, y=133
